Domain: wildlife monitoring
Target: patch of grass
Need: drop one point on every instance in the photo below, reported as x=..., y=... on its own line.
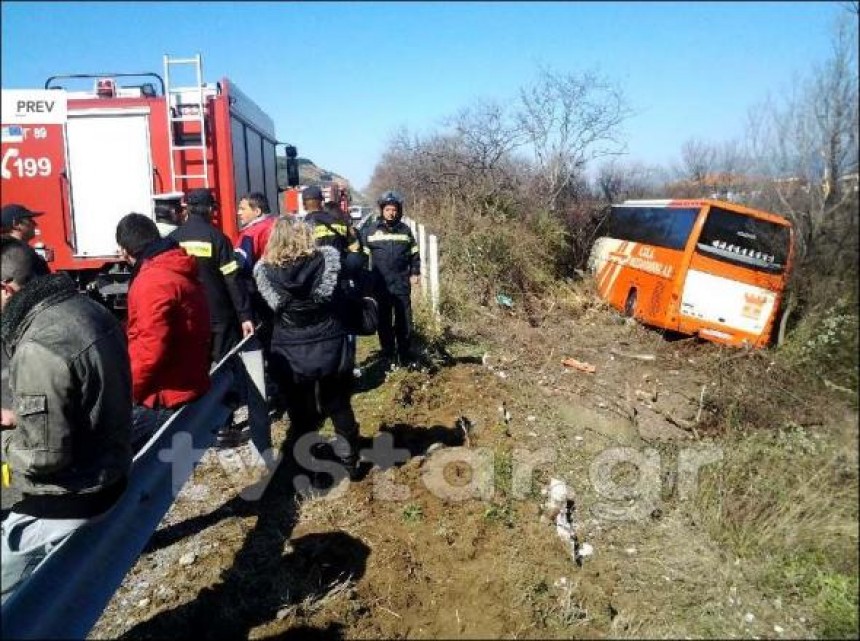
x=428, y=328
x=502, y=513
x=825, y=345
x=836, y=605
x=783, y=503
x=503, y=471
x=413, y=513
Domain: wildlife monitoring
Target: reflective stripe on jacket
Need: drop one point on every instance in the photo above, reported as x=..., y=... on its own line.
x=394, y=255
x=218, y=270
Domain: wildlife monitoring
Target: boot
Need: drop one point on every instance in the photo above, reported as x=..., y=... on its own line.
x=236, y=432
x=352, y=466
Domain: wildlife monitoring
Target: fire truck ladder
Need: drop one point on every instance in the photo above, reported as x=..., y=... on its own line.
x=177, y=146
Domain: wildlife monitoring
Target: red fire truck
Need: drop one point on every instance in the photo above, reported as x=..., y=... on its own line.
x=333, y=192
x=87, y=158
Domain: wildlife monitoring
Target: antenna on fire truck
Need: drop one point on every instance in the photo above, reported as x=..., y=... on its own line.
x=180, y=112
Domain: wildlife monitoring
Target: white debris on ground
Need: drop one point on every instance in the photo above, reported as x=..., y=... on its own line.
x=559, y=508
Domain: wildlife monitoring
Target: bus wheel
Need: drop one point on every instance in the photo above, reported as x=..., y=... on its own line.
x=630, y=304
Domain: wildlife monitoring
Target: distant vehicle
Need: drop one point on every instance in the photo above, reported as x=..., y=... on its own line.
x=357, y=212
x=88, y=157
x=700, y=267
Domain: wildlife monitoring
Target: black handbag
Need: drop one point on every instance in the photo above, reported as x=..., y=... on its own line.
x=361, y=315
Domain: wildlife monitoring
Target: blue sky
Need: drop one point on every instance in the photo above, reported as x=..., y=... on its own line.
x=339, y=78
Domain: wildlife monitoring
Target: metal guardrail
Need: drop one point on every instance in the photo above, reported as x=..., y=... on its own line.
x=68, y=592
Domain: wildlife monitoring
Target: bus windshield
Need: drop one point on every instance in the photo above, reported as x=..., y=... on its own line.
x=660, y=226
x=744, y=240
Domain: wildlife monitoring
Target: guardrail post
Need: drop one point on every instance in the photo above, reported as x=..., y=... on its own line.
x=422, y=253
x=434, y=273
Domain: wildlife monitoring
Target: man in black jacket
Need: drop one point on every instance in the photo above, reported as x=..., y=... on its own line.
x=229, y=304
x=331, y=230
x=66, y=434
x=395, y=265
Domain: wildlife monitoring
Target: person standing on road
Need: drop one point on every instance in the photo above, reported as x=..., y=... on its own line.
x=168, y=326
x=66, y=437
x=256, y=224
x=311, y=352
x=20, y=223
x=395, y=266
x=218, y=269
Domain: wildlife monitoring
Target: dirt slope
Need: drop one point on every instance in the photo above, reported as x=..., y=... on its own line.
x=360, y=564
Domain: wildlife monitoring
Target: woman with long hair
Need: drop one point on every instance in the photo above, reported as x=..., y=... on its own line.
x=312, y=356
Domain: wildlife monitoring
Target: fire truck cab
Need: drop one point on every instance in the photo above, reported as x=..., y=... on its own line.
x=86, y=158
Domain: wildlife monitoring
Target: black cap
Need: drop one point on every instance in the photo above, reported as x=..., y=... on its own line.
x=13, y=213
x=312, y=193
x=202, y=197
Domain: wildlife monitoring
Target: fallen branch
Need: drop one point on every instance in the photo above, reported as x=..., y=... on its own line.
x=838, y=388
x=638, y=357
x=701, y=405
x=588, y=368
x=384, y=609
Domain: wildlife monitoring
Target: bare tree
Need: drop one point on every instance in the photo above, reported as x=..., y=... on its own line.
x=806, y=143
x=616, y=180
x=569, y=120
x=698, y=159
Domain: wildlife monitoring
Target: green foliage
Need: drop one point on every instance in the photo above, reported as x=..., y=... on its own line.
x=836, y=605
x=518, y=257
x=502, y=513
x=825, y=344
x=413, y=513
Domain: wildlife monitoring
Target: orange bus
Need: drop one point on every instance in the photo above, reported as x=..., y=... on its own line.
x=699, y=267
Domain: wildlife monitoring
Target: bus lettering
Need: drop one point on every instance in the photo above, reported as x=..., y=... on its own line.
x=651, y=266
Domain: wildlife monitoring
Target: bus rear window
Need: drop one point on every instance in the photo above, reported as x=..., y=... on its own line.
x=661, y=226
x=744, y=240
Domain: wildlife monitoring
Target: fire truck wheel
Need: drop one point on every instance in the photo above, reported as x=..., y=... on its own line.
x=630, y=304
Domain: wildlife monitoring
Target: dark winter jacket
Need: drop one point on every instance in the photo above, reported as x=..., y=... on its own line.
x=69, y=374
x=168, y=328
x=218, y=270
x=308, y=332
x=330, y=230
x=394, y=255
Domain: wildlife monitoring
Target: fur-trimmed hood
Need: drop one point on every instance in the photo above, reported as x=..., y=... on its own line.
x=38, y=294
x=309, y=279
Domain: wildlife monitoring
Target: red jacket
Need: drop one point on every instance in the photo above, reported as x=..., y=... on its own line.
x=253, y=240
x=168, y=331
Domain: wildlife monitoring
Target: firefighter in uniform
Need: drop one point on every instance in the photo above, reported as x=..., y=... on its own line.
x=395, y=265
x=330, y=229
x=229, y=306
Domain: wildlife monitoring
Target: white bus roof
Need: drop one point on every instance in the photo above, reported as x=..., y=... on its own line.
x=648, y=203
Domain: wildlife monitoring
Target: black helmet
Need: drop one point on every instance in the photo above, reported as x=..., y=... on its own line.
x=391, y=198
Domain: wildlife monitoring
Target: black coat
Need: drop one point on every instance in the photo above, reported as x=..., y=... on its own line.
x=307, y=332
x=218, y=270
x=394, y=255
